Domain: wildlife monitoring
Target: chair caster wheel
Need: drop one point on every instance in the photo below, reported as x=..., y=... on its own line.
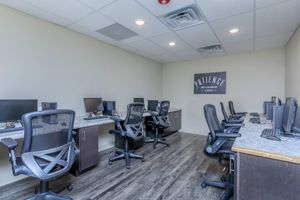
x=203, y=185
x=109, y=162
x=168, y=145
x=143, y=160
x=127, y=167
x=70, y=188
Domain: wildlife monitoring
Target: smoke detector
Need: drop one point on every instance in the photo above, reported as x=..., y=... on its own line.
x=183, y=18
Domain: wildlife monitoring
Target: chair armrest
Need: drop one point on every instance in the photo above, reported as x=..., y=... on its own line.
x=117, y=121
x=228, y=135
x=9, y=143
x=236, y=121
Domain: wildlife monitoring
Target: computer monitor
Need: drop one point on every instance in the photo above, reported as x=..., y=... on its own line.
x=279, y=102
x=138, y=100
x=296, y=125
x=49, y=105
x=93, y=105
x=152, y=105
x=289, y=114
x=109, y=108
x=13, y=109
x=273, y=99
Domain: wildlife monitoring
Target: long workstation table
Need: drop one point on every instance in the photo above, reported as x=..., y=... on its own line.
x=86, y=135
x=266, y=169
x=80, y=123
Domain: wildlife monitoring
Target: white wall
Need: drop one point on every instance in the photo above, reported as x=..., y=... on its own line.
x=44, y=61
x=50, y=63
x=251, y=79
x=292, y=78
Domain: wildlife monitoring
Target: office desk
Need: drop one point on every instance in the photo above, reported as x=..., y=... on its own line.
x=86, y=137
x=266, y=169
x=80, y=123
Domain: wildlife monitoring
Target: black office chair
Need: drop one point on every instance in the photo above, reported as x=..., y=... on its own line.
x=48, y=149
x=231, y=119
x=160, y=121
x=232, y=110
x=131, y=129
x=218, y=146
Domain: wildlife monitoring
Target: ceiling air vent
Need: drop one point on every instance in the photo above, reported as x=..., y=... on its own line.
x=117, y=32
x=182, y=18
x=212, y=49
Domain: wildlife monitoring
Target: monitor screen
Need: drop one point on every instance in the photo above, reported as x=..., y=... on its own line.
x=289, y=114
x=138, y=100
x=152, y=105
x=93, y=105
x=13, y=109
x=273, y=99
x=109, y=105
x=49, y=105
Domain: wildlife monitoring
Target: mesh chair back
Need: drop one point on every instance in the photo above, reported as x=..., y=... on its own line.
x=212, y=120
x=231, y=108
x=134, y=121
x=48, y=148
x=163, y=114
x=226, y=118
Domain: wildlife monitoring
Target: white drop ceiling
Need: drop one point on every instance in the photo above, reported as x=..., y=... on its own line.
x=263, y=24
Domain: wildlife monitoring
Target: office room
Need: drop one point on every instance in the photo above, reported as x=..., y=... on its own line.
x=149, y=99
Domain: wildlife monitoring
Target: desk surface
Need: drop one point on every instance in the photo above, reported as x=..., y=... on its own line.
x=79, y=123
x=288, y=149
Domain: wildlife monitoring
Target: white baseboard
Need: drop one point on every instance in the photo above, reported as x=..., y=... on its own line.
x=193, y=132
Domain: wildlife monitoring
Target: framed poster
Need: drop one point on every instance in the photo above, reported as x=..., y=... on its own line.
x=210, y=83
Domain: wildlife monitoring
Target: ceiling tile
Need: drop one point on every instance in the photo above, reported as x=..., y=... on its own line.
x=278, y=40
x=158, y=10
x=279, y=18
x=34, y=11
x=94, y=21
x=217, y=9
x=239, y=47
x=126, y=12
x=96, y=4
x=164, y=40
x=147, y=46
x=70, y=10
x=198, y=36
x=264, y=3
x=244, y=22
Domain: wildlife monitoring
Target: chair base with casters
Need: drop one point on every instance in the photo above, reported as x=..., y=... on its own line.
x=157, y=140
x=45, y=194
x=224, y=183
x=125, y=154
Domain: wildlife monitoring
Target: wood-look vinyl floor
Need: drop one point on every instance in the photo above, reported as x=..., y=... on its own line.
x=168, y=173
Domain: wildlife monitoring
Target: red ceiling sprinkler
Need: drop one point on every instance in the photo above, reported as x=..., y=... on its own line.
x=163, y=2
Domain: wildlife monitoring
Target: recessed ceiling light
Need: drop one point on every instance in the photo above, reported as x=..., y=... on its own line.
x=172, y=44
x=139, y=22
x=234, y=30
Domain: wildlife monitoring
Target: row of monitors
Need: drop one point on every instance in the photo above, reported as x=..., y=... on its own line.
x=290, y=115
x=94, y=105
x=13, y=109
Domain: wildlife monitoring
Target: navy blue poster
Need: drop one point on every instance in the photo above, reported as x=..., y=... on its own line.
x=210, y=83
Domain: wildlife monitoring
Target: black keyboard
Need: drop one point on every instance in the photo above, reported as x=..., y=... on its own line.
x=254, y=114
x=271, y=134
x=255, y=120
x=5, y=130
x=96, y=117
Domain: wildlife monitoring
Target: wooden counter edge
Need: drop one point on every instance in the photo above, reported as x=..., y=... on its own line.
x=275, y=156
